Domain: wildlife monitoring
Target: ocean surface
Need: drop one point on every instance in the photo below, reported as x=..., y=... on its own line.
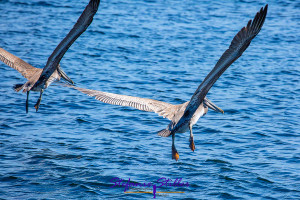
x=75, y=146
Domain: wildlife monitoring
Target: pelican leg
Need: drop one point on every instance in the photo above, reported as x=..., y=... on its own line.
x=175, y=154
x=37, y=105
x=27, y=99
x=192, y=144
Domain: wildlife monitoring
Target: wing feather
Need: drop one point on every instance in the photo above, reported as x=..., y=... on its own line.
x=161, y=108
x=18, y=64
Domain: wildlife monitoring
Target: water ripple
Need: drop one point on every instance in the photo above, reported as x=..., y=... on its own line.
x=75, y=145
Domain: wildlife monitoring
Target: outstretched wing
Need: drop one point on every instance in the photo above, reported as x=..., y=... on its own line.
x=161, y=108
x=18, y=64
x=81, y=25
x=238, y=45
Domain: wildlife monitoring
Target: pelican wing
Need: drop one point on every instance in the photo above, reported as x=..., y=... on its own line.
x=18, y=64
x=161, y=108
x=238, y=45
x=81, y=25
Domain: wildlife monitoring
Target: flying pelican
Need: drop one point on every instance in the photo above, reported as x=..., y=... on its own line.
x=29, y=71
x=185, y=115
x=40, y=81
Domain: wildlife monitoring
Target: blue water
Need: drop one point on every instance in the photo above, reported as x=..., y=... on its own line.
x=75, y=145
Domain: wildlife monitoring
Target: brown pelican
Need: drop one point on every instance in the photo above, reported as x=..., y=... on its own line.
x=185, y=115
x=185, y=120
x=28, y=71
x=40, y=81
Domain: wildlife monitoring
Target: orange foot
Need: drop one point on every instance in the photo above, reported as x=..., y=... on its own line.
x=37, y=106
x=175, y=154
x=192, y=145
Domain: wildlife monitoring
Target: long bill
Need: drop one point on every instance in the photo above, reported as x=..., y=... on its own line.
x=64, y=76
x=212, y=106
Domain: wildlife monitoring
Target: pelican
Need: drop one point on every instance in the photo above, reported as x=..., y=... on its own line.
x=185, y=115
x=28, y=71
x=40, y=81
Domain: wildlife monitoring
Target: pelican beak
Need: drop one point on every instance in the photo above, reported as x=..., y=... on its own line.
x=212, y=106
x=64, y=75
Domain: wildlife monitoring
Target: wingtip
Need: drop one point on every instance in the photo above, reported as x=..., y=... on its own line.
x=265, y=9
x=17, y=87
x=95, y=4
x=259, y=20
